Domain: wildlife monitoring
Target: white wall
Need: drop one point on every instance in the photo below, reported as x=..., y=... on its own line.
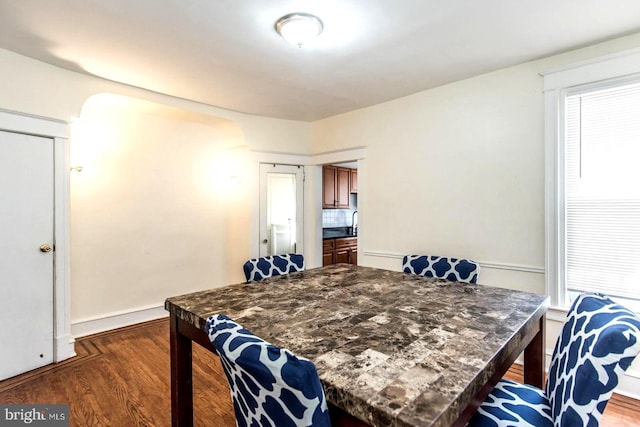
x=459, y=170
x=450, y=172
x=155, y=209
x=152, y=216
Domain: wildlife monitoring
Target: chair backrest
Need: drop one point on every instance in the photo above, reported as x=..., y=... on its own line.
x=269, y=385
x=598, y=342
x=262, y=268
x=456, y=269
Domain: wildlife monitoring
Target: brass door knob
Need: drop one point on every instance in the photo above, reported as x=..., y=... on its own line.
x=45, y=248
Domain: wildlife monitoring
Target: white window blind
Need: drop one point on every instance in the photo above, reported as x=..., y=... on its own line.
x=602, y=191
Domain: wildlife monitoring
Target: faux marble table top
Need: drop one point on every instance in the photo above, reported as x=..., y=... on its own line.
x=391, y=349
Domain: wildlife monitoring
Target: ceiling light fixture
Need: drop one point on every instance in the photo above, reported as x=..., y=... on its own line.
x=299, y=28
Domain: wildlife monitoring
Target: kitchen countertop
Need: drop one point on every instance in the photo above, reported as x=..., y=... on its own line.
x=338, y=232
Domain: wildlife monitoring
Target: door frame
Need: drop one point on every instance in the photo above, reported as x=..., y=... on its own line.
x=256, y=159
x=312, y=195
x=300, y=205
x=58, y=131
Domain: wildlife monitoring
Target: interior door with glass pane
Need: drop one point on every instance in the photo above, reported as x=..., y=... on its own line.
x=281, y=203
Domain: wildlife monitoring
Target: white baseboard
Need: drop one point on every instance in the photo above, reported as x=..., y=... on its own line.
x=107, y=322
x=64, y=348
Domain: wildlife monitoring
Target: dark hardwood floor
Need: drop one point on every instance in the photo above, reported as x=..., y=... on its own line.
x=121, y=378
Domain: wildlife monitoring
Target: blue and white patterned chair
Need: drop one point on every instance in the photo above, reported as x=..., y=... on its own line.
x=262, y=268
x=458, y=270
x=269, y=386
x=598, y=342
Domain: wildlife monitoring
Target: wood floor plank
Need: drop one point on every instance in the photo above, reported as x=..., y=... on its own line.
x=122, y=378
x=84, y=407
x=126, y=392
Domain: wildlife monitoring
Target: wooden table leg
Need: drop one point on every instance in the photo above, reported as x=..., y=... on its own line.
x=181, y=377
x=534, y=358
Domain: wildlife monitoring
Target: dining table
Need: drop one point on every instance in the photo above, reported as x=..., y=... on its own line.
x=390, y=348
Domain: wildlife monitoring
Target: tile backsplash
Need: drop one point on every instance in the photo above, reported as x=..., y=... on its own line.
x=340, y=217
x=337, y=217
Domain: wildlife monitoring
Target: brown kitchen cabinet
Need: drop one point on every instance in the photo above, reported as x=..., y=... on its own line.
x=328, y=252
x=336, y=187
x=341, y=250
x=353, y=182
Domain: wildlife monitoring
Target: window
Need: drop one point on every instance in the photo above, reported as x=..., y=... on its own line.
x=593, y=183
x=602, y=191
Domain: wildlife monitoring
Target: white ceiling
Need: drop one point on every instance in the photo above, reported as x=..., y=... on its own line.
x=226, y=52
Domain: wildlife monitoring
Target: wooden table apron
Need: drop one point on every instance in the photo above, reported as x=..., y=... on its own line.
x=530, y=339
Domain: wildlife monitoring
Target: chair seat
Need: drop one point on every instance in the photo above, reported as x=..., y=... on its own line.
x=513, y=404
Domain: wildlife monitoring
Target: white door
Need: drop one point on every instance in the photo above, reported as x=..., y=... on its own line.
x=281, y=203
x=26, y=253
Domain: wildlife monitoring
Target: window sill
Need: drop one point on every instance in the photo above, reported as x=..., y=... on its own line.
x=558, y=314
